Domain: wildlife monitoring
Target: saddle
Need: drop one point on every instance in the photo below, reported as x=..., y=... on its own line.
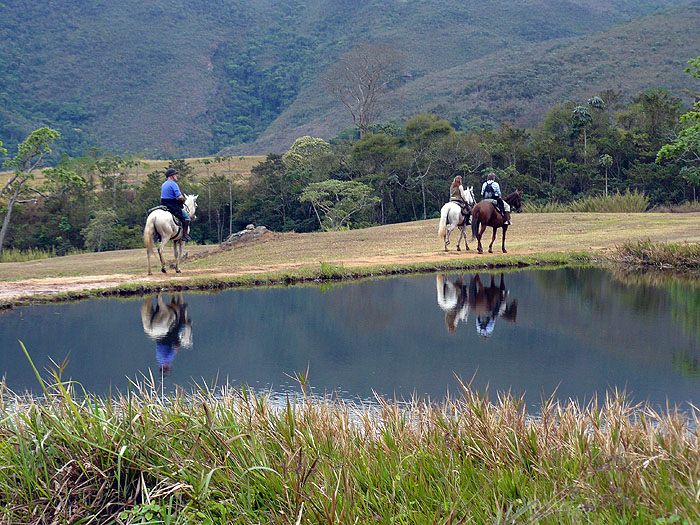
x=495, y=204
x=465, y=207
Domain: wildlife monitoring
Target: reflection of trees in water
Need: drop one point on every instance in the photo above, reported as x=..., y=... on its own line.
x=647, y=292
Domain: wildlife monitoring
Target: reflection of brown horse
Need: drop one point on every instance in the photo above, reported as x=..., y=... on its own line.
x=490, y=303
x=485, y=214
x=453, y=300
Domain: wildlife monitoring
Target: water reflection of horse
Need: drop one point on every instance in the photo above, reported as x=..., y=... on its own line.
x=490, y=303
x=161, y=228
x=453, y=300
x=168, y=325
x=485, y=214
x=451, y=217
x=457, y=300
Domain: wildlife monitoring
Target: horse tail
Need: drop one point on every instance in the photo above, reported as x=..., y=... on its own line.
x=443, y=223
x=475, y=224
x=149, y=233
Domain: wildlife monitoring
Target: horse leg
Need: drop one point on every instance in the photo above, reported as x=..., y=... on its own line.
x=482, y=229
x=503, y=245
x=463, y=235
x=161, y=247
x=447, y=236
x=493, y=239
x=177, y=247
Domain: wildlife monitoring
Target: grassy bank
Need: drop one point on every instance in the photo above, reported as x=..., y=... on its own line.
x=235, y=456
x=284, y=258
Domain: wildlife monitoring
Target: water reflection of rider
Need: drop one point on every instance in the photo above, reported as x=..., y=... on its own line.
x=490, y=303
x=169, y=326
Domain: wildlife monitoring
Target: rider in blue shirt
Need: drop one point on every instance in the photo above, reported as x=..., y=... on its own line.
x=172, y=198
x=491, y=190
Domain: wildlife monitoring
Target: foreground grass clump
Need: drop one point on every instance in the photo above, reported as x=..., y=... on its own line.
x=234, y=456
x=659, y=255
x=628, y=202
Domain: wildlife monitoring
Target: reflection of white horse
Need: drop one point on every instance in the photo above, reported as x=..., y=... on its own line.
x=161, y=227
x=167, y=319
x=453, y=300
x=451, y=217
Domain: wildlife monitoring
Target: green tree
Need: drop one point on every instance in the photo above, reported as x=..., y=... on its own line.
x=30, y=155
x=336, y=201
x=99, y=233
x=686, y=147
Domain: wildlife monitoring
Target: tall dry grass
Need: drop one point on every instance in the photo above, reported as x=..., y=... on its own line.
x=232, y=455
x=659, y=254
x=627, y=202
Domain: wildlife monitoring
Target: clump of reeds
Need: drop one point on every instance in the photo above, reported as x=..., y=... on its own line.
x=545, y=207
x=236, y=456
x=686, y=207
x=627, y=202
x=659, y=254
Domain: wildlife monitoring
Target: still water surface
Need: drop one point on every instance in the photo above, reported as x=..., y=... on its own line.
x=578, y=332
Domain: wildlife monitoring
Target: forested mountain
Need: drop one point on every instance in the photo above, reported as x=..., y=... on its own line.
x=191, y=77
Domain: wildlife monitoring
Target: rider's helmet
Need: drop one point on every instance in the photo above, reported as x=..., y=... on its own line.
x=170, y=172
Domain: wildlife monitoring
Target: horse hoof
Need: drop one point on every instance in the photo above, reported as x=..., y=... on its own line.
x=163, y=270
x=459, y=249
x=505, y=251
x=178, y=271
x=490, y=251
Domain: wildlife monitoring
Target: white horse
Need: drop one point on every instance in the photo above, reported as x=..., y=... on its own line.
x=453, y=299
x=451, y=217
x=160, y=226
x=162, y=318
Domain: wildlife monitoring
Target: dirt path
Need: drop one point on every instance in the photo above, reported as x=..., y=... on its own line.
x=399, y=244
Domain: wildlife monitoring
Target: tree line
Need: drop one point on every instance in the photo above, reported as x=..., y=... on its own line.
x=392, y=172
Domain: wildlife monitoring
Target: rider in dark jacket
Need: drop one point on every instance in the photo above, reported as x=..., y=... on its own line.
x=491, y=190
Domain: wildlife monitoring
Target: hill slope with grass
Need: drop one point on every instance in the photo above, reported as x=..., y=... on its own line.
x=185, y=78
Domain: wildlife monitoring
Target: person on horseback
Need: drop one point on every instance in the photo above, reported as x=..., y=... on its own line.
x=458, y=195
x=172, y=198
x=491, y=190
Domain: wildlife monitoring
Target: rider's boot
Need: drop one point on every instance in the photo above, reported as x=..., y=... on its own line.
x=185, y=229
x=507, y=217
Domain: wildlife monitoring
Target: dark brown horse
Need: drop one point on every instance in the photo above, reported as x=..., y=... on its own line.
x=485, y=214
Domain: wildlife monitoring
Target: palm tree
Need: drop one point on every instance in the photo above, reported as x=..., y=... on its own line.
x=582, y=117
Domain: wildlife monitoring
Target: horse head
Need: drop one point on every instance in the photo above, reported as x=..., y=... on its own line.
x=515, y=200
x=470, y=196
x=191, y=205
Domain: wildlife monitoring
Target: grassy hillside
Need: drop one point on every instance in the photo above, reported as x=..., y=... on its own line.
x=183, y=77
x=519, y=83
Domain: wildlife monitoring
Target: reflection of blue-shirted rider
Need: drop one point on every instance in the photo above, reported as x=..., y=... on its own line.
x=172, y=198
x=491, y=190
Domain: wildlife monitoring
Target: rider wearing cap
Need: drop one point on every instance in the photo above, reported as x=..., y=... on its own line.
x=172, y=198
x=491, y=190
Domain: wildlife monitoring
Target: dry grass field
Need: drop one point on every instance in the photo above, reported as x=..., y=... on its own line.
x=391, y=246
x=238, y=167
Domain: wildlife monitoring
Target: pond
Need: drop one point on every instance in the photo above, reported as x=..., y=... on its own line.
x=575, y=332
